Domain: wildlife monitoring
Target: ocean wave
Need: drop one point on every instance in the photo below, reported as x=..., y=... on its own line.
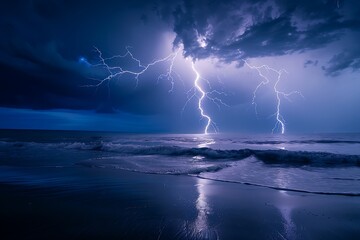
x=267, y=156
x=184, y=170
x=319, y=159
x=286, y=157
x=345, y=179
x=277, y=142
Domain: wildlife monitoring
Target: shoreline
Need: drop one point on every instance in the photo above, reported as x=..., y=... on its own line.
x=115, y=204
x=283, y=189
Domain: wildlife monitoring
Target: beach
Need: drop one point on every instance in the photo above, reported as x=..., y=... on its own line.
x=149, y=206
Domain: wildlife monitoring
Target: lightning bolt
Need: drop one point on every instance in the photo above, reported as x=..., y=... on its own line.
x=201, y=99
x=113, y=72
x=118, y=71
x=197, y=91
x=169, y=74
x=280, y=121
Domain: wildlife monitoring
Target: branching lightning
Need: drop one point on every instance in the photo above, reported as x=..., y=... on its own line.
x=115, y=72
x=118, y=71
x=280, y=121
x=197, y=91
x=203, y=94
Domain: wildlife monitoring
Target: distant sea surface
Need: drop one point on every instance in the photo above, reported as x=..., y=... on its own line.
x=321, y=164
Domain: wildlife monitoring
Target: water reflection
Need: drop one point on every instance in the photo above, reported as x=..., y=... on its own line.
x=201, y=229
x=285, y=205
x=205, y=142
x=282, y=179
x=201, y=225
x=289, y=225
x=202, y=207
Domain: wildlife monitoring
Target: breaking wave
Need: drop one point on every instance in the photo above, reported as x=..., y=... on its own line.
x=318, y=159
x=167, y=168
x=306, y=171
x=275, y=142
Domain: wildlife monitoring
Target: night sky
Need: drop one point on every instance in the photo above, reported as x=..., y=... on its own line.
x=49, y=66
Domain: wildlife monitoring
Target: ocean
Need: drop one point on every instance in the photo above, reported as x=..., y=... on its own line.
x=101, y=185
x=316, y=163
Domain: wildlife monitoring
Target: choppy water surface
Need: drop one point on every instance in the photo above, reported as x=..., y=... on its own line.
x=325, y=164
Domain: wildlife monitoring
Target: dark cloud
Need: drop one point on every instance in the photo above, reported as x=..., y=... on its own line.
x=234, y=30
x=45, y=38
x=42, y=41
x=311, y=63
x=349, y=59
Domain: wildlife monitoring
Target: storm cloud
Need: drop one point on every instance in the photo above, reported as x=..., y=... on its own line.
x=43, y=41
x=234, y=30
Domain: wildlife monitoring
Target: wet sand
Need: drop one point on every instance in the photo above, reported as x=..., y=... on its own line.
x=116, y=204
